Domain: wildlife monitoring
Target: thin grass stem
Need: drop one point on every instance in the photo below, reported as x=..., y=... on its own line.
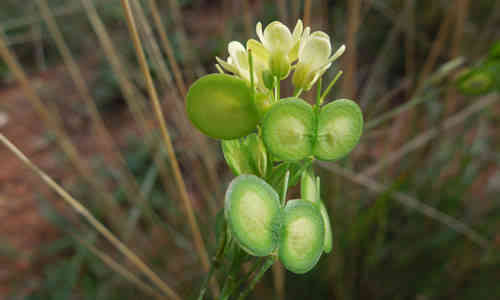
x=307, y=12
x=199, y=244
x=130, y=184
x=118, y=268
x=428, y=135
x=265, y=266
x=350, y=60
x=84, y=212
x=53, y=122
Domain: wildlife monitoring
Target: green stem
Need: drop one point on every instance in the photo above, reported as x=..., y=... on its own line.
x=332, y=83
x=204, y=286
x=318, y=92
x=276, y=83
x=238, y=283
x=214, y=265
x=252, y=84
x=285, y=187
x=265, y=266
x=298, y=92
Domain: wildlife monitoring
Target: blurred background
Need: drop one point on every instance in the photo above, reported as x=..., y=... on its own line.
x=415, y=208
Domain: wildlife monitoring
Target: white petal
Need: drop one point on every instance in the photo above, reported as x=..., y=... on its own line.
x=304, y=38
x=297, y=31
x=277, y=38
x=320, y=34
x=259, y=32
x=238, y=54
x=306, y=33
x=259, y=53
x=338, y=53
x=315, y=52
x=226, y=65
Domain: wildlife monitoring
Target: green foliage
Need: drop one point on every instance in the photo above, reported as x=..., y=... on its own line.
x=483, y=78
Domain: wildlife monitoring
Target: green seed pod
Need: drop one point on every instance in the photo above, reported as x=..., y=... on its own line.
x=237, y=157
x=221, y=106
x=288, y=129
x=253, y=213
x=328, y=228
x=308, y=186
x=476, y=82
x=302, y=236
x=340, y=124
x=258, y=154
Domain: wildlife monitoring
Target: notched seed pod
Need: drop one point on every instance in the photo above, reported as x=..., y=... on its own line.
x=237, y=157
x=328, y=228
x=308, y=186
x=288, y=129
x=302, y=236
x=221, y=106
x=258, y=154
x=253, y=213
x=340, y=124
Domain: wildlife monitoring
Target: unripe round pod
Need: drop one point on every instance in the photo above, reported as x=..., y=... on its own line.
x=253, y=213
x=302, y=236
x=288, y=129
x=340, y=124
x=221, y=106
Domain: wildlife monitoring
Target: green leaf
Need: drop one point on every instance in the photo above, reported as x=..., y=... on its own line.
x=495, y=50
x=258, y=154
x=237, y=157
x=475, y=82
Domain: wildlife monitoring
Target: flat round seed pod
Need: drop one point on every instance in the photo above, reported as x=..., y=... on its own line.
x=221, y=106
x=302, y=236
x=253, y=213
x=340, y=124
x=328, y=228
x=308, y=186
x=288, y=129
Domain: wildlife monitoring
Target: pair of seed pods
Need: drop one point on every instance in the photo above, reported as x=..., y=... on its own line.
x=222, y=107
x=299, y=232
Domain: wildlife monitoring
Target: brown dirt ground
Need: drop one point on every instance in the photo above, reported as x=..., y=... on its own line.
x=23, y=229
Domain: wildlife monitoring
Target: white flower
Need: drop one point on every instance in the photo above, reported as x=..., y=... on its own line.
x=279, y=47
x=238, y=63
x=314, y=58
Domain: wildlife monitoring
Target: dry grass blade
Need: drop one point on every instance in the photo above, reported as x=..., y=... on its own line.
x=425, y=137
x=132, y=96
x=199, y=244
x=52, y=121
x=33, y=19
x=411, y=202
x=418, y=98
x=307, y=12
x=349, y=61
x=130, y=184
x=83, y=211
x=181, y=85
x=461, y=16
x=199, y=139
x=379, y=69
x=436, y=49
x=118, y=268
x=282, y=11
x=279, y=280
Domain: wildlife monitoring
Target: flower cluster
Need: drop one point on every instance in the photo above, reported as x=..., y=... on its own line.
x=281, y=51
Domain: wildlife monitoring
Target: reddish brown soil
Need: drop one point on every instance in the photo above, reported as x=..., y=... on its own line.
x=23, y=230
